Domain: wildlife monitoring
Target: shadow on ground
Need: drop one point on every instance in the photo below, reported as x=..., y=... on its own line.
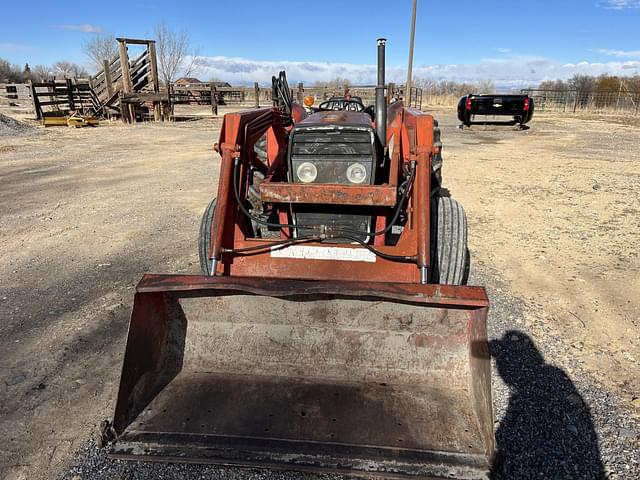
x=547, y=431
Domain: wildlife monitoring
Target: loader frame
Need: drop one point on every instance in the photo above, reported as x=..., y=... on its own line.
x=410, y=139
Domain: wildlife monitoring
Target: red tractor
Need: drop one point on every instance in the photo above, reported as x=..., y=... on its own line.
x=330, y=330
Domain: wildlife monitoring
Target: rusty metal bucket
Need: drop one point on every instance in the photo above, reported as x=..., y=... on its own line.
x=369, y=379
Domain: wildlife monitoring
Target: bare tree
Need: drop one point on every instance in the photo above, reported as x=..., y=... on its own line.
x=174, y=53
x=40, y=73
x=449, y=87
x=9, y=73
x=336, y=82
x=69, y=69
x=486, y=86
x=100, y=48
x=555, y=85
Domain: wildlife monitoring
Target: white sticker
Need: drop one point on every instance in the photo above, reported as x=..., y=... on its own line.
x=324, y=253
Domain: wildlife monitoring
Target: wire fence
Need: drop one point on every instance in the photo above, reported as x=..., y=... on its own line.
x=576, y=101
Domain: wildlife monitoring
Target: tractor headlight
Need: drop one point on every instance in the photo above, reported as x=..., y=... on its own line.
x=356, y=173
x=307, y=172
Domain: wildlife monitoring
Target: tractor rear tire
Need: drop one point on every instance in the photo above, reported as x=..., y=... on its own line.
x=204, y=240
x=449, y=253
x=260, y=148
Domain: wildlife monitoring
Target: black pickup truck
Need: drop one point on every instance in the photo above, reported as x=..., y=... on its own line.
x=518, y=107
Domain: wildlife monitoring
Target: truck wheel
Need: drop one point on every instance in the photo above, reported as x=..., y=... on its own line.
x=204, y=240
x=449, y=253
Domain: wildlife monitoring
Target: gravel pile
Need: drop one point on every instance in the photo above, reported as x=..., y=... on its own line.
x=549, y=425
x=10, y=127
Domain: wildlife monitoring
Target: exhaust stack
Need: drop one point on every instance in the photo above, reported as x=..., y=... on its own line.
x=381, y=104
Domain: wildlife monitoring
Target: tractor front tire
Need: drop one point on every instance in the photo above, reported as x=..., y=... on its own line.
x=204, y=239
x=449, y=253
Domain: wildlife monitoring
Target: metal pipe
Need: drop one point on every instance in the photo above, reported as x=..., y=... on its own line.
x=381, y=104
x=410, y=68
x=424, y=277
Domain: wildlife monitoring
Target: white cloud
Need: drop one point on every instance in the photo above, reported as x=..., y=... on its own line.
x=13, y=47
x=82, y=27
x=619, y=53
x=622, y=4
x=506, y=72
x=504, y=50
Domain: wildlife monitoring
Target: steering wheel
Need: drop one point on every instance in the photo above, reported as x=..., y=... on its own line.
x=342, y=104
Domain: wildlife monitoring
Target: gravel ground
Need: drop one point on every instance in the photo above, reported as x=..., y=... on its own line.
x=12, y=127
x=548, y=424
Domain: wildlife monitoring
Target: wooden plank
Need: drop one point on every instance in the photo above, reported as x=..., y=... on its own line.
x=55, y=102
x=127, y=87
x=153, y=63
x=155, y=80
x=145, y=97
x=124, y=110
x=134, y=41
x=36, y=102
x=124, y=65
x=72, y=105
x=107, y=78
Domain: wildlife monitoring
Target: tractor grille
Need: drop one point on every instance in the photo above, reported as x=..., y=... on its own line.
x=332, y=151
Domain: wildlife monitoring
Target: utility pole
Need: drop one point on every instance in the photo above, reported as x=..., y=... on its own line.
x=410, y=69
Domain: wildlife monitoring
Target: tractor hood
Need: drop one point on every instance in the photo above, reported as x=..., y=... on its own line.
x=336, y=117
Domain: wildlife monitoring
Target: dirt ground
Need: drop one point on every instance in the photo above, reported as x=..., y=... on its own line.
x=553, y=211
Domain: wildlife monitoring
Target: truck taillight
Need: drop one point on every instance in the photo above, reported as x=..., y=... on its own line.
x=468, y=104
x=526, y=105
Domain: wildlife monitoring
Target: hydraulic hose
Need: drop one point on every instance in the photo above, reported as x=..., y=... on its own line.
x=345, y=234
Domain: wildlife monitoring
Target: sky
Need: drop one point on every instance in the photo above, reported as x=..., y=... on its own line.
x=512, y=42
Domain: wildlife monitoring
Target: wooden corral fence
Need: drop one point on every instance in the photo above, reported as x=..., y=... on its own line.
x=16, y=96
x=59, y=98
x=256, y=96
x=140, y=94
x=14, y=93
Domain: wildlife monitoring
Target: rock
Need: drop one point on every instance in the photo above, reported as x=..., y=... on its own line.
x=15, y=379
x=626, y=433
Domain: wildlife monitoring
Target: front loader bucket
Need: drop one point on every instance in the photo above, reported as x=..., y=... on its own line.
x=369, y=379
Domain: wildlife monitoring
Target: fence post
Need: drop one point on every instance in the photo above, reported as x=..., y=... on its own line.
x=127, y=85
x=300, y=92
x=214, y=100
x=124, y=109
x=36, y=101
x=256, y=89
x=72, y=105
x=575, y=102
